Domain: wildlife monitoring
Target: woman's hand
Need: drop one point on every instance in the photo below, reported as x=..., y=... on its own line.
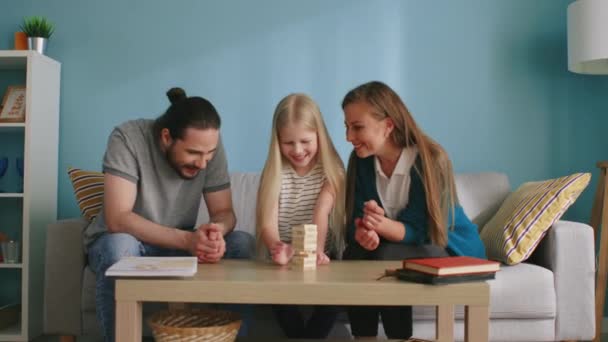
x=281, y=253
x=371, y=207
x=374, y=219
x=367, y=238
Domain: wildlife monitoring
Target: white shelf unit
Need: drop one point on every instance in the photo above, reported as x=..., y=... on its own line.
x=40, y=142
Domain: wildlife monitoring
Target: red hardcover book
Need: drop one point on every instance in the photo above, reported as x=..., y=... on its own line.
x=451, y=265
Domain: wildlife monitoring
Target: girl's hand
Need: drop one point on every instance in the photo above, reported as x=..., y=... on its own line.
x=281, y=253
x=367, y=238
x=322, y=258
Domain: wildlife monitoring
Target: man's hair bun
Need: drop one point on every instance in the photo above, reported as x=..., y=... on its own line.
x=175, y=95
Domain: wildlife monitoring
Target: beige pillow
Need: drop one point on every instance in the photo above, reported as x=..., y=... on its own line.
x=523, y=219
x=88, y=189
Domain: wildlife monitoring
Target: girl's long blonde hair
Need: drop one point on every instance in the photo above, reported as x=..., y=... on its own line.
x=436, y=174
x=300, y=108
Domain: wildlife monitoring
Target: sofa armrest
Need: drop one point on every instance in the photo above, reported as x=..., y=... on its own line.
x=64, y=266
x=569, y=252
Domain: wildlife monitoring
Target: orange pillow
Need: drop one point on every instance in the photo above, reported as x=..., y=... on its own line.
x=88, y=189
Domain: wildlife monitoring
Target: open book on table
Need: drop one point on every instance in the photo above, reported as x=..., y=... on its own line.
x=153, y=267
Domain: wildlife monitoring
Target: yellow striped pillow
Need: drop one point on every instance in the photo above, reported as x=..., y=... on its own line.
x=525, y=216
x=88, y=188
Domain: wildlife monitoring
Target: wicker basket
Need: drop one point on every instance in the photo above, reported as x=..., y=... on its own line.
x=194, y=325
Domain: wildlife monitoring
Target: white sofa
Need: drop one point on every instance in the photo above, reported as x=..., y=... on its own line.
x=550, y=297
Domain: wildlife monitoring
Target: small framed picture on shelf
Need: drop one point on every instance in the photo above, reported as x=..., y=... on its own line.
x=13, y=105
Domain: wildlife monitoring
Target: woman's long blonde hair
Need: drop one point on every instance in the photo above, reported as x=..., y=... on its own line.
x=300, y=108
x=436, y=174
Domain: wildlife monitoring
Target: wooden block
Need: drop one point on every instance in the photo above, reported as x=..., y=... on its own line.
x=302, y=242
x=303, y=258
x=302, y=229
x=305, y=252
x=306, y=246
x=302, y=238
x=308, y=262
x=303, y=233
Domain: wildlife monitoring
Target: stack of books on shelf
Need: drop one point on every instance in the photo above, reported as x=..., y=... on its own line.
x=447, y=270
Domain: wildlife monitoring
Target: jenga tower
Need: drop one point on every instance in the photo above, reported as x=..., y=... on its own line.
x=304, y=243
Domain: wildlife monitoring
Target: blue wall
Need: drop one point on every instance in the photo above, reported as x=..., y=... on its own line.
x=486, y=78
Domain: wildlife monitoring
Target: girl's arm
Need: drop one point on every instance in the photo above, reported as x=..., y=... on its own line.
x=270, y=227
x=280, y=252
x=320, y=217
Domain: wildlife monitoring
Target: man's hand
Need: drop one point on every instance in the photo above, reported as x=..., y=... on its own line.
x=209, y=243
x=367, y=238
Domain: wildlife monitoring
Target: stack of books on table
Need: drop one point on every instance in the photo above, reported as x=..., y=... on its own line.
x=447, y=270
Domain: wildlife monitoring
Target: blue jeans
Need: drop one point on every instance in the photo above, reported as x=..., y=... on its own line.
x=109, y=248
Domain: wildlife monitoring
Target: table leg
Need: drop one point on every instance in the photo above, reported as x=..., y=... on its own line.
x=128, y=321
x=476, y=323
x=444, y=324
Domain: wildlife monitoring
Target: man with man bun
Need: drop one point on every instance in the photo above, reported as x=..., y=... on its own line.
x=155, y=172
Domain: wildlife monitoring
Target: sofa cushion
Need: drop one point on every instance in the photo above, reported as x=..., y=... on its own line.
x=481, y=194
x=522, y=291
x=88, y=189
x=525, y=216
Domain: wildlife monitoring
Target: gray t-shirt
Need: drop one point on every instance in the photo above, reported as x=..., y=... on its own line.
x=163, y=197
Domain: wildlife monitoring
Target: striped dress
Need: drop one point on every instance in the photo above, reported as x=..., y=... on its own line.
x=298, y=198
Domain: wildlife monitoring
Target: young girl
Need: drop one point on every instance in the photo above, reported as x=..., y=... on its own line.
x=400, y=199
x=302, y=182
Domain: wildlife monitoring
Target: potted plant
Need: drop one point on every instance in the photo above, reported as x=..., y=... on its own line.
x=38, y=30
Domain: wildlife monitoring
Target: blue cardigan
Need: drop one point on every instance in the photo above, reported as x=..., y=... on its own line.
x=463, y=238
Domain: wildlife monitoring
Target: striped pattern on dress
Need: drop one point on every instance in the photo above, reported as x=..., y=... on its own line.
x=298, y=198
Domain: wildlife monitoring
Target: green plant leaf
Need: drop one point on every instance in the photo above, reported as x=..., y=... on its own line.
x=37, y=26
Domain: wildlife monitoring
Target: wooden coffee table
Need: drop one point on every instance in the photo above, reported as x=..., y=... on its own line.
x=339, y=283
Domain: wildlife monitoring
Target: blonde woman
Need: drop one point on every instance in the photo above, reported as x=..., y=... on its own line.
x=302, y=182
x=400, y=199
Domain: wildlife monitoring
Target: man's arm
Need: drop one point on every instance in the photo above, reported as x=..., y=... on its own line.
x=119, y=199
x=219, y=204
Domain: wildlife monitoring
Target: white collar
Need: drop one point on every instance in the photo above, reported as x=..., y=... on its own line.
x=404, y=164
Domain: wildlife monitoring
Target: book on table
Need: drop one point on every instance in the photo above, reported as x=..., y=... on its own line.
x=153, y=267
x=425, y=278
x=456, y=265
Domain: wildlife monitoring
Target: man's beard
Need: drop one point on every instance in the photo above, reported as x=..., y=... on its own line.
x=176, y=166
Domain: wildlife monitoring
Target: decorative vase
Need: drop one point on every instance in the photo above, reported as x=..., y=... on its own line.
x=37, y=43
x=20, y=41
